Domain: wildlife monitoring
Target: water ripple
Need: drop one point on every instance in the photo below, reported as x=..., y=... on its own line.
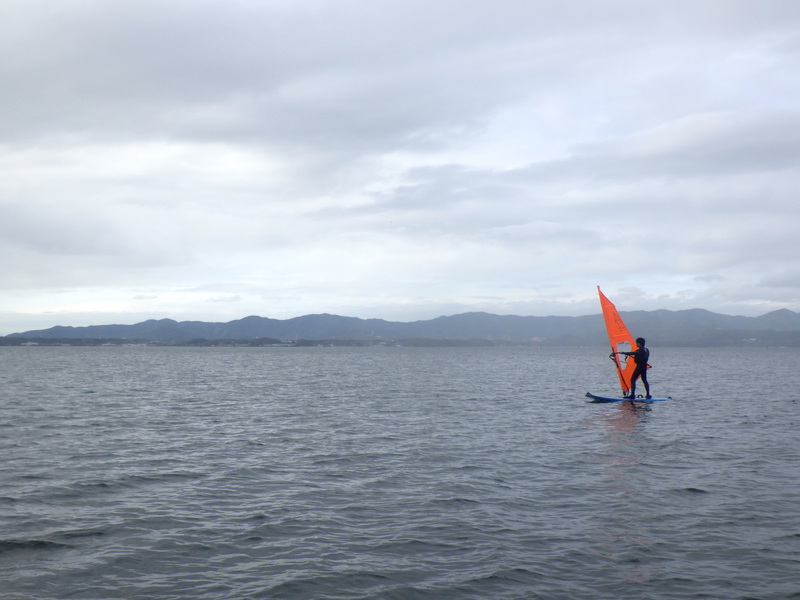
x=146, y=473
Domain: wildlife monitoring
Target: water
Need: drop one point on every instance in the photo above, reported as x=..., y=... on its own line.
x=395, y=473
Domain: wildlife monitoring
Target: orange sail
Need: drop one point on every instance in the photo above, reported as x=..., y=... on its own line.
x=621, y=341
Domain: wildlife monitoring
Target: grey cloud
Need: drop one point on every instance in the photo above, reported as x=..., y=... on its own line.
x=505, y=152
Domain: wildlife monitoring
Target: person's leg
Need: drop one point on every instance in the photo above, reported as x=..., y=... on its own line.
x=632, y=391
x=646, y=384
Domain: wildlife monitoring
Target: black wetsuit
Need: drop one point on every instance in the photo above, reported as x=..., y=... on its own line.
x=640, y=357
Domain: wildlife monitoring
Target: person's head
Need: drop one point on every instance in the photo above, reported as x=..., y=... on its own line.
x=640, y=341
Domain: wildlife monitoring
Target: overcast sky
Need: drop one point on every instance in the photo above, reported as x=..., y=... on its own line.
x=210, y=160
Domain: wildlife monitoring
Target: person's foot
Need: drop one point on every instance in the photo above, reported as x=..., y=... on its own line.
x=648, y=396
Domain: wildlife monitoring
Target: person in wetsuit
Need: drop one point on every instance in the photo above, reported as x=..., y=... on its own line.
x=640, y=356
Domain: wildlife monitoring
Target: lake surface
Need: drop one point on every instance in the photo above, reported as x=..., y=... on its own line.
x=396, y=473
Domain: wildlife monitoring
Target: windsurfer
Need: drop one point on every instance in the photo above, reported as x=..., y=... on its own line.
x=640, y=356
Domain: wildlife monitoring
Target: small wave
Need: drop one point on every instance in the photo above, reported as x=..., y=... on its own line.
x=514, y=575
x=83, y=533
x=302, y=584
x=414, y=546
x=16, y=545
x=455, y=501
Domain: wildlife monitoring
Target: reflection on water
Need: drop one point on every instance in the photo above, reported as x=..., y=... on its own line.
x=628, y=416
x=620, y=531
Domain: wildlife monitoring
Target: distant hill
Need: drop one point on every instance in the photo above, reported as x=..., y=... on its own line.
x=661, y=328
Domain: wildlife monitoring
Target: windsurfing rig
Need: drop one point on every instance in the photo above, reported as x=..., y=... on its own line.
x=621, y=341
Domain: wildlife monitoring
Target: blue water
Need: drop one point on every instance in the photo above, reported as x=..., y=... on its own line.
x=396, y=473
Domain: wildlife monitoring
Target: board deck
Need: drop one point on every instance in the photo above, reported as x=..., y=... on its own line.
x=595, y=398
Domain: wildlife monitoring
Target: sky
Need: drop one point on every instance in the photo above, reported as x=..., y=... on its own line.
x=396, y=159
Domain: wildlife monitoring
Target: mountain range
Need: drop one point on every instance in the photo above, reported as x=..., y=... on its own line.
x=696, y=327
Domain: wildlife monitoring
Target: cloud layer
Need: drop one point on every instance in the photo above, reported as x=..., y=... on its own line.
x=400, y=160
